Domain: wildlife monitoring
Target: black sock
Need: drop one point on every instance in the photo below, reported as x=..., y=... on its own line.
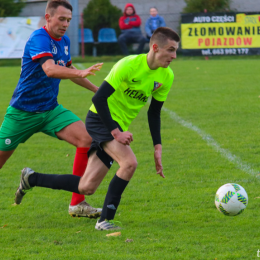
x=54, y=181
x=113, y=197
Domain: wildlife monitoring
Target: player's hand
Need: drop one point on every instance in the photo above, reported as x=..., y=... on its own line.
x=91, y=70
x=124, y=138
x=158, y=159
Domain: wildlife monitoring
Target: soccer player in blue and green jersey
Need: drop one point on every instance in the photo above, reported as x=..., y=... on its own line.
x=34, y=107
x=116, y=103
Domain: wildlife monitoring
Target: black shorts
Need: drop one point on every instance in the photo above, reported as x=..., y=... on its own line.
x=99, y=134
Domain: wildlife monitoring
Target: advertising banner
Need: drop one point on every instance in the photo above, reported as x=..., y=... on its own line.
x=220, y=34
x=14, y=33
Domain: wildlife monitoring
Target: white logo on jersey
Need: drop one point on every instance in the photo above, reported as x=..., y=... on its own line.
x=54, y=48
x=66, y=50
x=7, y=141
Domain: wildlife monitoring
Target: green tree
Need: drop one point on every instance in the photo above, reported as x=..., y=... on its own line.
x=198, y=6
x=11, y=7
x=102, y=14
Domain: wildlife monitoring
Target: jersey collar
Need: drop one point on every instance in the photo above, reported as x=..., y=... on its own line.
x=44, y=27
x=146, y=67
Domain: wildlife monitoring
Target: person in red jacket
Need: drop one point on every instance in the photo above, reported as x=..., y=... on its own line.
x=129, y=24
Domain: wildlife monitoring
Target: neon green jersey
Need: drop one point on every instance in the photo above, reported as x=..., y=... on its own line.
x=134, y=82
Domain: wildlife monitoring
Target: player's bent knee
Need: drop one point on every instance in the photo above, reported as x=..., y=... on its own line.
x=86, y=190
x=134, y=164
x=89, y=192
x=85, y=141
x=130, y=166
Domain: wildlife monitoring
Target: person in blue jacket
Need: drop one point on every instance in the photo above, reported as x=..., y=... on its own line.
x=153, y=22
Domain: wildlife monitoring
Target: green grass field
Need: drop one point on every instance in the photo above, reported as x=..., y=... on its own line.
x=210, y=135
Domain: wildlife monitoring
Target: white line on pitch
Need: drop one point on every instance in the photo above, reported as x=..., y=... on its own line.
x=211, y=142
x=80, y=66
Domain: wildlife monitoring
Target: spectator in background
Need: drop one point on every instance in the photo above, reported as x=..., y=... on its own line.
x=153, y=22
x=129, y=24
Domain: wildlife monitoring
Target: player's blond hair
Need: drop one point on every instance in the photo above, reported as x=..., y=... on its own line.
x=52, y=5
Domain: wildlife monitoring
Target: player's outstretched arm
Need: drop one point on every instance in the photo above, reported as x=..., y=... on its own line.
x=83, y=82
x=55, y=71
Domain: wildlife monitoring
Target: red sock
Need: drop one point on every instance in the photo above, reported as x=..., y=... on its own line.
x=79, y=167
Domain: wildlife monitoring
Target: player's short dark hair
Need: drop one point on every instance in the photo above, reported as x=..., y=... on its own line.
x=162, y=34
x=52, y=5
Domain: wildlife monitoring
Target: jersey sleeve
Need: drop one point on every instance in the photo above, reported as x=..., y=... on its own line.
x=40, y=47
x=67, y=40
x=162, y=92
x=118, y=73
x=69, y=62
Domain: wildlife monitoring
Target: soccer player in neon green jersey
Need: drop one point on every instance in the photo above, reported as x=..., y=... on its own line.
x=117, y=102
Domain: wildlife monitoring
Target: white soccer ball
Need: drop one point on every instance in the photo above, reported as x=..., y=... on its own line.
x=231, y=199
